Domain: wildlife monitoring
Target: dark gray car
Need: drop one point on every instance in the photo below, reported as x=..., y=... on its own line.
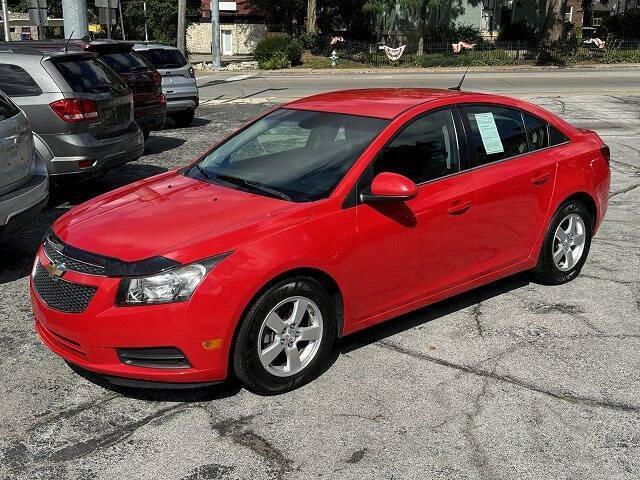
x=24, y=186
x=81, y=112
x=178, y=80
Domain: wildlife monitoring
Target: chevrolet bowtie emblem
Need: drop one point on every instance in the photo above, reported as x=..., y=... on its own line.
x=56, y=270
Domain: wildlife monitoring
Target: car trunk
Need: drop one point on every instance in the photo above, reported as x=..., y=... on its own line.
x=171, y=64
x=16, y=147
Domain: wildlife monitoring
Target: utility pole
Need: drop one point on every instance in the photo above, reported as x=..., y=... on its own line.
x=108, y=14
x=215, y=34
x=182, y=25
x=74, y=13
x=146, y=32
x=5, y=21
x=121, y=20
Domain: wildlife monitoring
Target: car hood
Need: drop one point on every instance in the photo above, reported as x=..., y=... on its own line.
x=174, y=216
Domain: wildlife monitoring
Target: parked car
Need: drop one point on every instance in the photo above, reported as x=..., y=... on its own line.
x=24, y=185
x=145, y=82
x=80, y=111
x=325, y=216
x=178, y=80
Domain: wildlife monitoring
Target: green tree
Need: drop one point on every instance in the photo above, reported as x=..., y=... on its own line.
x=162, y=20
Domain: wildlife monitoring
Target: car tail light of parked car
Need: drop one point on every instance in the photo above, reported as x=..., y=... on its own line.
x=323, y=217
x=74, y=110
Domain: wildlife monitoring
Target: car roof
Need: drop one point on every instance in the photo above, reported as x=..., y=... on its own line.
x=372, y=102
x=152, y=46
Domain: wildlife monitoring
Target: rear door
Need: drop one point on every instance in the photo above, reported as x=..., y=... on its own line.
x=16, y=146
x=514, y=175
x=85, y=77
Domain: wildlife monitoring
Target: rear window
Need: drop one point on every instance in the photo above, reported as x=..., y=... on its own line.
x=16, y=82
x=124, y=62
x=164, y=58
x=89, y=75
x=7, y=108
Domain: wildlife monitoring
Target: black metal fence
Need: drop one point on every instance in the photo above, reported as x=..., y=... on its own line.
x=442, y=54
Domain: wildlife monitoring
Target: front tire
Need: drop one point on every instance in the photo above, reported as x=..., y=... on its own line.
x=286, y=336
x=566, y=244
x=183, y=119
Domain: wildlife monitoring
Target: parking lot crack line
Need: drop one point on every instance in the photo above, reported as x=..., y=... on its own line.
x=559, y=395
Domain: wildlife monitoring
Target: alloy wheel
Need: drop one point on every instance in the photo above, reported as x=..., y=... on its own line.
x=290, y=336
x=568, y=242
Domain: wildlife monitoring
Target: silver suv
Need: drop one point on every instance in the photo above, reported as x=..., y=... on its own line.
x=81, y=112
x=178, y=80
x=24, y=186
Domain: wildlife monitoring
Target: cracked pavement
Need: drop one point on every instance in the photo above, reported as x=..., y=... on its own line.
x=512, y=380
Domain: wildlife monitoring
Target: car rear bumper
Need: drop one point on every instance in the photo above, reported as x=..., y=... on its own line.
x=151, y=122
x=182, y=104
x=19, y=207
x=70, y=151
x=94, y=339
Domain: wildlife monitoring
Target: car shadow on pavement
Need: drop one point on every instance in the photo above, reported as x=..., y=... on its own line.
x=197, y=122
x=432, y=312
x=156, y=144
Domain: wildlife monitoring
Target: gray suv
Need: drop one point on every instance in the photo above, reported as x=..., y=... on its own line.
x=80, y=111
x=178, y=80
x=24, y=186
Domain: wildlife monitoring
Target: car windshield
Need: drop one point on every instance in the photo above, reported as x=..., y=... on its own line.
x=295, y=155
x=164, y=57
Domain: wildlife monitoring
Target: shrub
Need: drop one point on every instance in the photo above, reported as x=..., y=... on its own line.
x=274, y=48
x=471, y=58
x=450, y=34
x=277, y=62
x=518, y=31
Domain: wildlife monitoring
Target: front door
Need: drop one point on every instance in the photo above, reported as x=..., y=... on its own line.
x=410, y=250
x=227, y=46
x=514, y=179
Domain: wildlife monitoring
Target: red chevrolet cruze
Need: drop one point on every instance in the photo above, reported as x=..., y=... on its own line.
x=321, y=218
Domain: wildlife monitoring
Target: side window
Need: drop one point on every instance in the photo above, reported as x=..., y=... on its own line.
x=16, y=82
x=536, y=132
x=555, y=137
x=426, y=149
x=497, y=133
x=7, y=108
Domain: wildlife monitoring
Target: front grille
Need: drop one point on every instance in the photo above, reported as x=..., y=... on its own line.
x=157, y=357
x=62, y=295
x=70, y=263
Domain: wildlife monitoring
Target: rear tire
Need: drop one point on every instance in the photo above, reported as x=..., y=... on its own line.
x=273, y=328
x=183, y=119
x=566, y=244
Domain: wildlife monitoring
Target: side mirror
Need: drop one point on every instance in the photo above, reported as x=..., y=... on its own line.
x=387, y=186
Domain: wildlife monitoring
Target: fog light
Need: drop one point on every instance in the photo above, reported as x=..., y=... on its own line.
x=85, y=163
x=212, y=344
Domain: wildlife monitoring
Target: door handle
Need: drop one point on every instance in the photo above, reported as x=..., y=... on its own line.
x=459, y=208
x=541, y=179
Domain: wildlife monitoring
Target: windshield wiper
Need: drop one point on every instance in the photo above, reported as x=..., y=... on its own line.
x=252, y=186
x=203, y=172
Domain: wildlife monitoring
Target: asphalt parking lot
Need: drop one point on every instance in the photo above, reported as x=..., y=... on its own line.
x=513, y=380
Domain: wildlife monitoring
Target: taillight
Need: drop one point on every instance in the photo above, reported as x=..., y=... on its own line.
x=606, y=152
x=75, y=110
x=157, y=78
x=192, y=72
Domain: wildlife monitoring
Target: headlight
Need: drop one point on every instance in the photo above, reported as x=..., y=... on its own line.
x=175, y=285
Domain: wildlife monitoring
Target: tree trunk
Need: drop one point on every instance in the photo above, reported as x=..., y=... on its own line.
x=311, y=16
x=553, y=23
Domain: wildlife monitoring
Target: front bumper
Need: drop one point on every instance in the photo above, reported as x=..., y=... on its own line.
x=91, y=339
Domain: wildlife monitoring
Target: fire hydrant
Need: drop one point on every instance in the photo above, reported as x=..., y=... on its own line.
x=334, y=59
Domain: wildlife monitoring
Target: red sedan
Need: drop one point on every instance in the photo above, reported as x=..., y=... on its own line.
x=323, y=217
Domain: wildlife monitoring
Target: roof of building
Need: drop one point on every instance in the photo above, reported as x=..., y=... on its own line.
x=373, y=102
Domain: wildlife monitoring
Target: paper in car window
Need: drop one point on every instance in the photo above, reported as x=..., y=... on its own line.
x=489, y=133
